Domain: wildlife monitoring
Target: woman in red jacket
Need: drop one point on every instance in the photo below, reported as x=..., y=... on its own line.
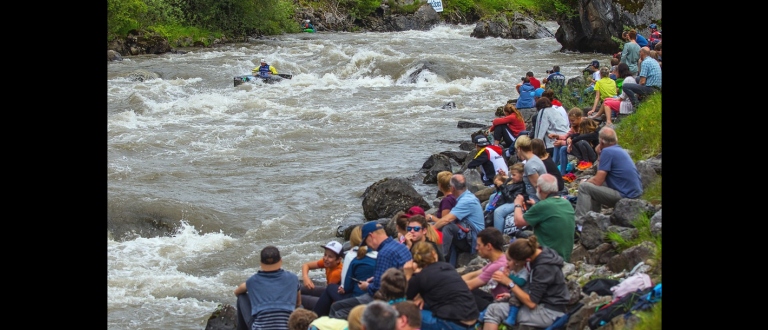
x=506, y=129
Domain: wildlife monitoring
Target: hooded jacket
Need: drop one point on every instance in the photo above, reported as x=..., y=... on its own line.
x=546, y=282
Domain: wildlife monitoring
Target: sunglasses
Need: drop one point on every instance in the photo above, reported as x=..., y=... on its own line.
x=416, y=228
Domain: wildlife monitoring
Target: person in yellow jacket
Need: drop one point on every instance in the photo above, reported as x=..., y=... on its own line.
x=264, y=70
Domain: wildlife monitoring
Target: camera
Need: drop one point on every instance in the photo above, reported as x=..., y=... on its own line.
x=550, y=71
x=522, y=79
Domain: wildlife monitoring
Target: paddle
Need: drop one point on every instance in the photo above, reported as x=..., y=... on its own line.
x=286, y=76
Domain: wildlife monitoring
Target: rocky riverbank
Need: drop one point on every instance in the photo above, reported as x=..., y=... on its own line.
x=596, y=29
x=593, y=255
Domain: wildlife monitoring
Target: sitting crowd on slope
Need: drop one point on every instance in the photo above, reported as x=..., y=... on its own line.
x=410, y=281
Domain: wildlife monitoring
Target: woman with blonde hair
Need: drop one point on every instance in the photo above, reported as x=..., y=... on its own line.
x=355, y=318
x=532, y=169
x=359, y=264
x=445, y=299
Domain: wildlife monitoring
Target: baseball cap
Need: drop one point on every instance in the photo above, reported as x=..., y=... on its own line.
x=333, y=246
x=595, y=63
x=480, y=140
x=415, y=210
x=368, y=228
x=538, y=92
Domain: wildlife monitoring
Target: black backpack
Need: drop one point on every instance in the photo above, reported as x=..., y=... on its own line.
x=619, y=307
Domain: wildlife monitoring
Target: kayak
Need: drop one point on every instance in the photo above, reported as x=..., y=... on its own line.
x=239, y=80
x=309, y=30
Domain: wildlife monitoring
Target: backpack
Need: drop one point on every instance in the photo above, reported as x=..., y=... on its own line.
x=607, y=312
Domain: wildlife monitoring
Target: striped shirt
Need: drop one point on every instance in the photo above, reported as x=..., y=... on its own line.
x=271, y=320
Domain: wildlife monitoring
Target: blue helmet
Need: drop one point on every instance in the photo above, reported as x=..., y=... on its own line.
x=652, y=26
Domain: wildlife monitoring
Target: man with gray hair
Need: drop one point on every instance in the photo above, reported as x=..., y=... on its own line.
x=552, y=218
x=379, y=315
x=617, y=177
x=461, y=225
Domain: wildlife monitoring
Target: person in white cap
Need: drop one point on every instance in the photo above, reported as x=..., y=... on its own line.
x=332, y=264
x=264, y=70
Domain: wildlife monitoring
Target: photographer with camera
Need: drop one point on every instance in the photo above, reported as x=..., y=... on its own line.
x=555, y=80
x=534, y=82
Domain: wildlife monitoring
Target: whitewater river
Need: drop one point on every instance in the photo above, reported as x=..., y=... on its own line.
x=201, y=175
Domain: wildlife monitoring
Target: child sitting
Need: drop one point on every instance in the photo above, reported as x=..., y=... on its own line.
x=505, y=206
x=519, y=275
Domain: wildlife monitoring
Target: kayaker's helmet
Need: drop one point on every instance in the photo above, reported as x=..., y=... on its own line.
x=306, y=21
x=263, y=61
x=652, y=26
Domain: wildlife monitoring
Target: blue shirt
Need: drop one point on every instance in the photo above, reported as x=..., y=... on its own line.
x=391, y=254
x=468, y=209
x=622, y=174
x=651, y=70
x=641, y=40
x=555, y=79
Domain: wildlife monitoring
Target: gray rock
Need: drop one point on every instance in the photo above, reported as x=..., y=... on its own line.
x=388, y=196
x=656, y=223
x=630, y=257
x=223, y=318
x=594, y=225
x=434, y=165
x=627, y=210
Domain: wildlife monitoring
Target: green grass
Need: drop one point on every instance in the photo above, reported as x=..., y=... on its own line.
x=649, y=320
x=643, y=226
x=640, y=132
x=652, y=193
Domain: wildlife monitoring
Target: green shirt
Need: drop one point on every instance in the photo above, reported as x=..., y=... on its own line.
x=554, y=222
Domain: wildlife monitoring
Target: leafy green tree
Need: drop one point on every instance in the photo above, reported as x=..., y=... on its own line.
x=123, y=15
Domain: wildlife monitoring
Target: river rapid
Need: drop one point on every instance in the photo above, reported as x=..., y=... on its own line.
x=201, y=175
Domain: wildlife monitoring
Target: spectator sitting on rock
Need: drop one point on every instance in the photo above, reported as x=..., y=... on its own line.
x=552, y=218
x=617, y=177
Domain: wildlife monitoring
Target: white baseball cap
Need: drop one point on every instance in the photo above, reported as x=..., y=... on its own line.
x=333, y=246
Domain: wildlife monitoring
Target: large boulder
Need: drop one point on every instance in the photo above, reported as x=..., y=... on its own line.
x=434, y=165
x=223, y=318
x=519, y=27
x=113, y=56
x=386, y=197
x=597, y=21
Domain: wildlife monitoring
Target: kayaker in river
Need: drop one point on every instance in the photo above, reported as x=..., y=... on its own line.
x=308, y=25
x=264, y=70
